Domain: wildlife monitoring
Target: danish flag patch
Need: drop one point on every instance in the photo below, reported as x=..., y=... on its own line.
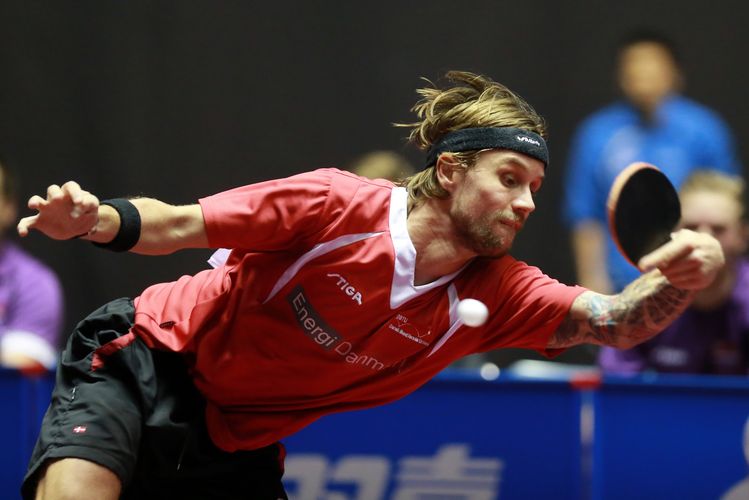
x=79, y=429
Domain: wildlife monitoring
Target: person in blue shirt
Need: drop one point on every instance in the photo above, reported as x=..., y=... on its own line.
x=652, y=123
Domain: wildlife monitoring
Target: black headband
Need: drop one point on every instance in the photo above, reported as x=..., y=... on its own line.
x=470, y=139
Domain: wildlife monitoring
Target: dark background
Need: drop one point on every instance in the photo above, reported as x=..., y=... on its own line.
x=180, y=99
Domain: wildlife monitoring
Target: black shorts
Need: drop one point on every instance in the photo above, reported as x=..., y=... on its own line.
x=136, y=412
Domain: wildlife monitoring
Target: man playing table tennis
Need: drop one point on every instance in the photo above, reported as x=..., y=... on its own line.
x=340, y=293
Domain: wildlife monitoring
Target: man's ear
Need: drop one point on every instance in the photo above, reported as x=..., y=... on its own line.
x=449, y=171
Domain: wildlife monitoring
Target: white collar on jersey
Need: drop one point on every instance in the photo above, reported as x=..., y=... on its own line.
x=403, y=288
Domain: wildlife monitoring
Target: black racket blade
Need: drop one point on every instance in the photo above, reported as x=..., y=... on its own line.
x=644, y=210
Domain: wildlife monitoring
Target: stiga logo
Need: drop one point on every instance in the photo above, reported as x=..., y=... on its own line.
x=347, y=288
x=316, y=328
x=525, y=138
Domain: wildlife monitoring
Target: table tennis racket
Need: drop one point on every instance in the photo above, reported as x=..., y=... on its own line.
x=643, y=208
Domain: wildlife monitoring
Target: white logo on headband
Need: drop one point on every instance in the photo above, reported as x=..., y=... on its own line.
x=523, y=138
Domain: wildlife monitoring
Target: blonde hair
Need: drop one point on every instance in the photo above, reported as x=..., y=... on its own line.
x=469, y=101
x=730, y=186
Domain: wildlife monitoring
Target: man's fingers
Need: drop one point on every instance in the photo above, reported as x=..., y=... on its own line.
x=54, y=192
x=36, y=202
x=683, y=266
x=65, y=212
x=83, y=201
x=689, y=261
x=88, y=204
x=73, y=191
x=683, y=272
x=25, y=224
x=664, y=255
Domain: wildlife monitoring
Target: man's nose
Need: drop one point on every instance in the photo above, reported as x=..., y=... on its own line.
x=524, y=202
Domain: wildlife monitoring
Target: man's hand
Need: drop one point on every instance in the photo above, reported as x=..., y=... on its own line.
x=67, y=212
x=690, y=261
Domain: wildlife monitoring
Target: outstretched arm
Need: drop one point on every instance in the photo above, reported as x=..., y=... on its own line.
x=675, y=272
x=68, y=212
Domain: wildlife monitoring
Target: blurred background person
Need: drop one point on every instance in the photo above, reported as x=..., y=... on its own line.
x=382, y=165
x=712, y=336
x=31, y=301
x=653, y=123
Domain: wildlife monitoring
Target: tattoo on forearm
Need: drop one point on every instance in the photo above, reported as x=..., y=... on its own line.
x=643, y=309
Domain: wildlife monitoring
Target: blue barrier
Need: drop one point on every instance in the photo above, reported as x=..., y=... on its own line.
x=454, y=438
x=461, y=437
x=650, y=438
x=669, y=437
x=25, y=400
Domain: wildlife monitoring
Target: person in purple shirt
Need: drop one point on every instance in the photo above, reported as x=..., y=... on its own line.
x=31, y=300
x=712, y=336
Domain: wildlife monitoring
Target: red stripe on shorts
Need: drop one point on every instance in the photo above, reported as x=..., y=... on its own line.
x=110, y=348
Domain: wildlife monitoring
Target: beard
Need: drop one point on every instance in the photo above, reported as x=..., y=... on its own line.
x=480, y=234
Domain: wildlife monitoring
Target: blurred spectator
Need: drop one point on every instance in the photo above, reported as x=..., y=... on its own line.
x=652, y=124
x=31, y=303
x=712, y=335
x=382, y=165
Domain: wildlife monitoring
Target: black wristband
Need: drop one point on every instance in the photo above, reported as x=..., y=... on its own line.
x=129, y=232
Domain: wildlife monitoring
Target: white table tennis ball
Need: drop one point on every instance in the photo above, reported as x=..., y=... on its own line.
x=472, y=312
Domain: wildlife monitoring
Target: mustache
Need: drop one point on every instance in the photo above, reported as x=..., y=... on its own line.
x=511, y=219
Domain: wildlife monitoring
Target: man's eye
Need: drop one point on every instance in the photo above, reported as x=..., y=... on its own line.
x=509, y=181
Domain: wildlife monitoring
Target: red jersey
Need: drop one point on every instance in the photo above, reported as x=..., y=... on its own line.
x=315, y=311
